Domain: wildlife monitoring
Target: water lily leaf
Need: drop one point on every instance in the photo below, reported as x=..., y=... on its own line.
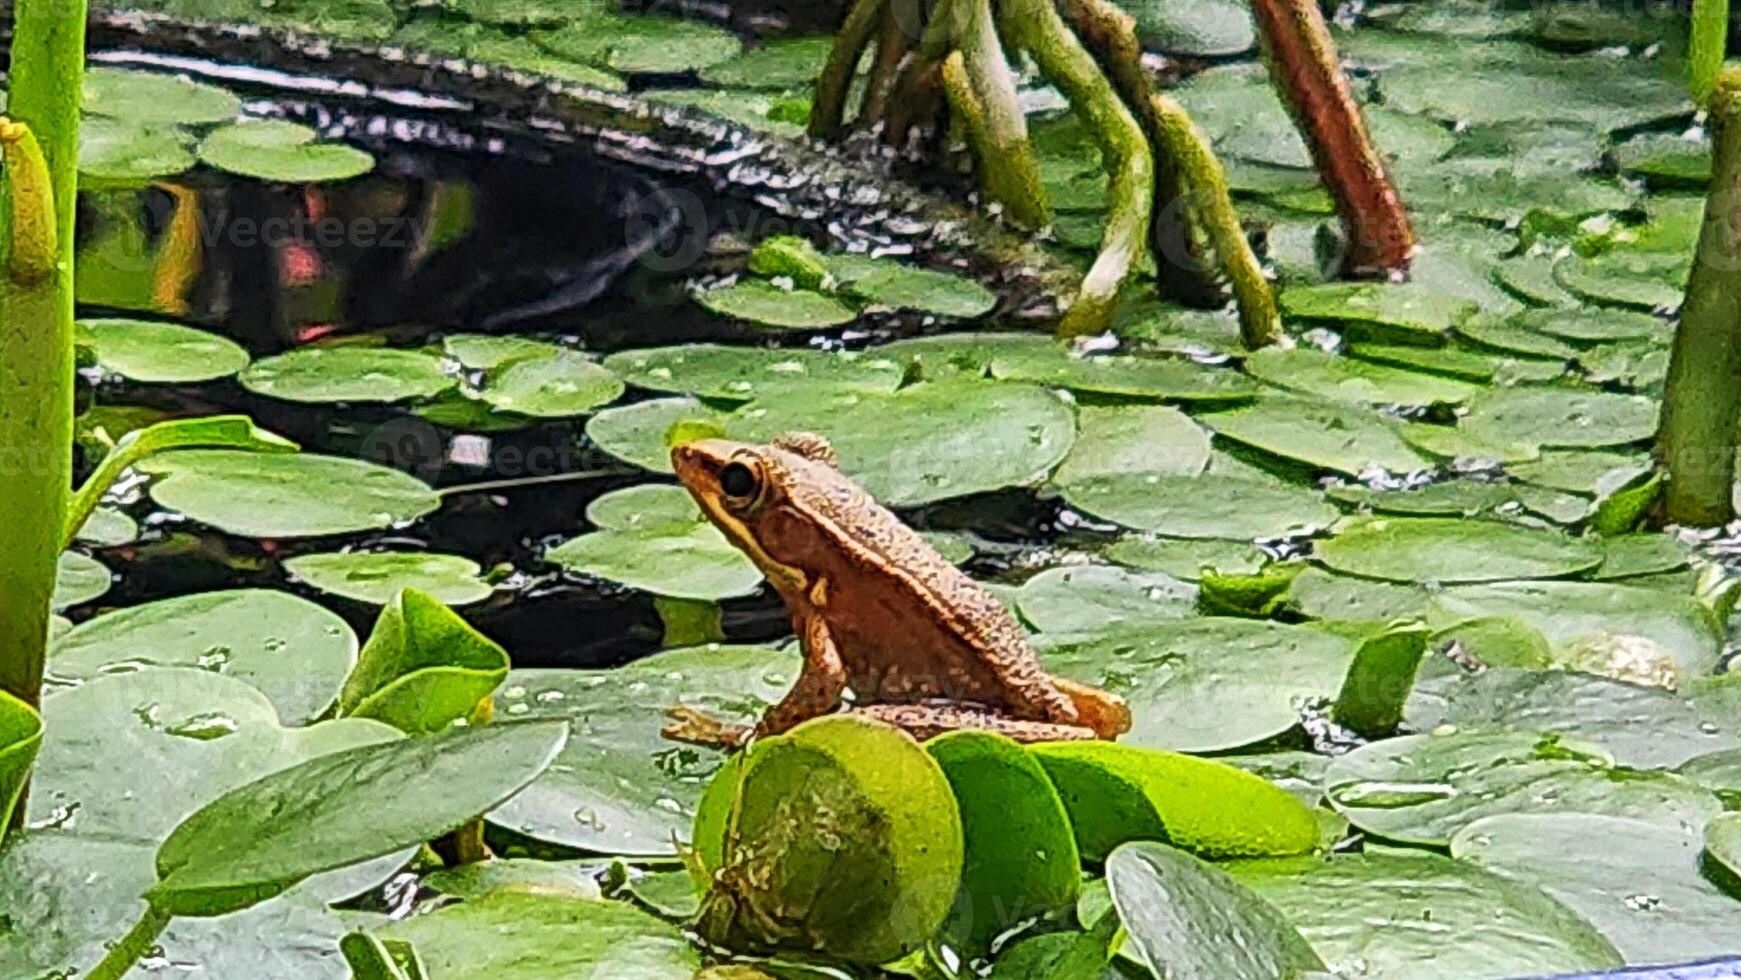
x=766, y=304
x=1380, y=679
x=1452, y=362
x=1364, y=912
x=1580, y=472
x=575, y=879
x=1464, y=498
x=281, y=151
x=1046, y=361
x=1191, y=921
x=1591, y=325
x=1186, y=559
x=1053, y=955
x=152, y=97
x=1458, y=445
x=743, y=373
x=1082, y=598
x=1569, y=613
x=1639, y=883
x=20, y=739
x=1207, y=506
x=422, y=669
x=1641, y=280
x=1322, y=435
x=1560, y=417
x=781, y=64
x=263, y=495
x=497, y=48
x=1666, y=158
x=1503, y=335
x=563, y=384
x=79, y=579
x=166, y=353
x=1317, y=594
x=1403, y=311
x=641, y=44
x=124, y=154
x=348, y=373
x=1117, y=793
x=291, y=650
x=1345, y=379
x=898, y=286
x=1630, y=555
x=1008, y=806
x=850, y=835
x=657, y=541
x=510, y=935
x=636, y=433
x=377, y=576
x=1723, y=843
x=1113, y=439
x=1646, y=727
x=108, y=528
x=622, y=788
x=1450, y=550
x=339, y=809
x=1208, y=684
x=1424, y=788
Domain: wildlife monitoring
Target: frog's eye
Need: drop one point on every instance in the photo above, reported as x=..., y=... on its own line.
x=739, y=483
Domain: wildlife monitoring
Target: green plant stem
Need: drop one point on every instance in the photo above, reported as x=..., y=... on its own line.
x=1036, y=27
x=1260, y=323
x=828, y=108
x=1696, y=441
x=1709, y=40
x=983, y=92
x=132, y=947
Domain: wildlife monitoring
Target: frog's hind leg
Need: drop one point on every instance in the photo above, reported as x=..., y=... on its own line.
x=1105, y=713
x=686, y=724
x=925, y=721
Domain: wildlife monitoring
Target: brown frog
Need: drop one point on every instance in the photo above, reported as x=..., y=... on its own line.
x=877, y=610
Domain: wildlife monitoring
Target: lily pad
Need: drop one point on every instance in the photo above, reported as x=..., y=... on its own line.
x=1580, y=472
x=290, y=649
x=1639, y=883
x=641, y=43
x=619, y=787
x=1640, y=280
x=1424, y=788
x=1561, y=417
x=1413, y=915
x=743, y=373
x=1207, y=506
x=765, y=304
x=898, y=286
x=152, y=97
x=1079, y=598
x=1184, y=558
x=1345, y=379
x=655, y=539
x=1447, y=497
x=1317, y=594
x=1191, y=921
x=162, y=353
x=1113, y=439
x=1339, y=438
x=563, y=384
x=108, y=528
x=1593, y=325
x=1403, y=311
x=1450, y=550
x=349, y=373
x=263, y=495
x=780, y=64
x=79, y=579
x=1503, y=335
x=1206, y=684
x=281, y=151
x=1042, y=360
x=114, y=153
x=377, y=576
x=423, y=668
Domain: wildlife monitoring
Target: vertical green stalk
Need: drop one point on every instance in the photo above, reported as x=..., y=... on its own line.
x=828, y=108
x=1696, y=443
x=36, y=328
x=996, y=126
x=1710, y=38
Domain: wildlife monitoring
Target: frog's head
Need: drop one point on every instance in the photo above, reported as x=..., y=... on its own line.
x=784, y=504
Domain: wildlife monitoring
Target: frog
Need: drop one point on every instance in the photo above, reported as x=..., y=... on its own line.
x=889, y=628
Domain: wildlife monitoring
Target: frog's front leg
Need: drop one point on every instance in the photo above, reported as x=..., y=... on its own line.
x=818, y=690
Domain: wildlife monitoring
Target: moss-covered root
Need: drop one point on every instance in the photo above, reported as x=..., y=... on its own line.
x=828, y=109
x=982, y=95
x=1696, y=443
x=1260, y=324
x=1308, y=75
x=1036, y=27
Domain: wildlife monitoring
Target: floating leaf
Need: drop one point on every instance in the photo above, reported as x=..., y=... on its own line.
x=1580, y=472
x=377, y=576
x=1405, y=311
x=264, y=495
x=1345, y=379
x=167, y=353
x=1641, y=280
x=655, y=539
x=768, y=305
x=1027, y=357
x=79, y=579
x=1593, y=325
x=108, y=528
x=898, y=286
x=290, y=649
x=349, y=373
x=151, y=97
x=423, y=668
x=1326, y=436
x=1186, y=559
x=125, y=154
x=780, y=63
x=1448, y=497
x=1113, y=439
x=1561, y=417
x=566, y=383
x=743, y=373
x=1449, y=550
x=1380, y=679
x=1723, y=842
x=1317, y=594
x=281, y=151
x=1079, y=598
x=638, y=44
x=1205, y=506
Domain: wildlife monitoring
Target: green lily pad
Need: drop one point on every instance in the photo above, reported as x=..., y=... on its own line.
x=1639, y=883
x=497, y=48
x=1580, y=472
x=1448, y=497
x=1208, y=684
x=682, y=561
x=1666, y=158
x=342, y=808
x=79, y=579
x=1345, y=379
x=1561, y=417
x=164, y=353
x=641, y=44
x=1206, y=28
x=1450, y=550
x=577, y=878
x=1342, y=439
x=1317, y=594
x=1455, y=444
x=1113, y=439
x=1591, y=325
x=1400, y=310
x=1413, y=915
x=1424, y=788
x=1008, y=806
x=486, y=352
x=263, y=495
x=511, y=935
x=377, y=576
x=290, y=649
x=563, y=384
x=781, y=63
x=636, y=433
x=1119, y=793
x=766, y=304
x=619, y=787
x=116, y=153
x=1502, y=334
x=423, y=668
x=1194, y=922
x=348, y=373
x=1206, y=506
x=281, y=151
x=21, y=738
x=151, y=97
x=1452, y=362
x=1184, y=558
x=1629, y=555
x=1080, y=598
x=1640, y=280
x=898, y=286
x=743, y=373
x=108, y=528
x=1024, y=357
x=843, y=838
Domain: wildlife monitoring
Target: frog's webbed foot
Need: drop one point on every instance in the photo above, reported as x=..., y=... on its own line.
x=700, y=728
x=925, y=721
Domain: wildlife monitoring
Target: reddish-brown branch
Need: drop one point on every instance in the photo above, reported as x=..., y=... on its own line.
x=1308, y=75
